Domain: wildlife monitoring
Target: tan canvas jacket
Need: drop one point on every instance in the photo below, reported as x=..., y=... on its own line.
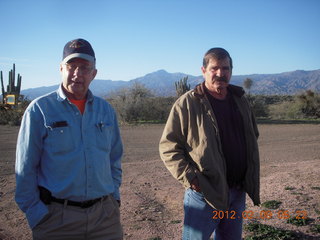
x=190, y=146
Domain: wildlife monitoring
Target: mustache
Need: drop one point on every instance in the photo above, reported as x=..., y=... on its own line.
x=221, y=79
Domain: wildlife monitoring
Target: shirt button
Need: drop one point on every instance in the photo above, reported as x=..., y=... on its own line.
x=61, y=131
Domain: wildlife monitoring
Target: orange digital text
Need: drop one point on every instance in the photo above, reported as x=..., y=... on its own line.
x=261, y=214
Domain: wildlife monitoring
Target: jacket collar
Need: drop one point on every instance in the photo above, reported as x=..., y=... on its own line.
x=199, y=90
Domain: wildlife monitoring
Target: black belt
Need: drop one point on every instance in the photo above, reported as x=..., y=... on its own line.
x=47, y=198
x=84, y=204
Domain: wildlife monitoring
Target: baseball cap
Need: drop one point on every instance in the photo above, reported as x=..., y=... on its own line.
x=78, y=48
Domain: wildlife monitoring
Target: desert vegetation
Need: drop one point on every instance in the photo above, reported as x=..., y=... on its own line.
x=12, y=115
x=138, y=104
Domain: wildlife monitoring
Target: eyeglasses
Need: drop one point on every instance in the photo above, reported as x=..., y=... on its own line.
x=84, y=69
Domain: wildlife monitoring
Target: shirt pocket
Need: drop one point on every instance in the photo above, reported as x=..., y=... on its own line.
x=103, y=135
x=60, y=140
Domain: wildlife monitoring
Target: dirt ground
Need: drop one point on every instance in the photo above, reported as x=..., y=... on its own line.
x=152, y=199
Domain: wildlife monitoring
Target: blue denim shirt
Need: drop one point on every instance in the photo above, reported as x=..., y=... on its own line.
x=77, y=157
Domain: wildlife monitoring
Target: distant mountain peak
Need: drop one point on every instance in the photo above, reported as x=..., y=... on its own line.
x=161, y=71
x=162, y=83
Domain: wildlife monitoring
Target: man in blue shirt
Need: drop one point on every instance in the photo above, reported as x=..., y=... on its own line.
x=68, y=160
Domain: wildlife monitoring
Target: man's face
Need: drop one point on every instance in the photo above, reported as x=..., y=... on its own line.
x=217, y=74
x=77, y=75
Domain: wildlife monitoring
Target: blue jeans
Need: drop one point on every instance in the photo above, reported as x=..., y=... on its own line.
x=198, y=217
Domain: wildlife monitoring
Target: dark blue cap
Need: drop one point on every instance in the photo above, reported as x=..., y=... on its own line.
x=78, y=48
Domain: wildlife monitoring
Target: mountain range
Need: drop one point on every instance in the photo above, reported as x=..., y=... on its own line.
x=162, y=83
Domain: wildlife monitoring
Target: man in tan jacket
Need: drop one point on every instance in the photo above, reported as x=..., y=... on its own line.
x=209, y=144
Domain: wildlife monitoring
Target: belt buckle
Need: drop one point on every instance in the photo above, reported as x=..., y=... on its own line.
x=86, y=204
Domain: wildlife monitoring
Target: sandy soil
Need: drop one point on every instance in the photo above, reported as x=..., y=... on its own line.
x=152, y=199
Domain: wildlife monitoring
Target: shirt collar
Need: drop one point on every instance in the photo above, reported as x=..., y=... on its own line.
x=61, y=96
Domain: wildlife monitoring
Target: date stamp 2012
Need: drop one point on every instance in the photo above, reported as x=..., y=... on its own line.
x=262, y=214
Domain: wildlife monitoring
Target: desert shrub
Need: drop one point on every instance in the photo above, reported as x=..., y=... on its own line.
x=273, y=204
x=266, y=232
x=182, y=86
x=274, y=106
x=299, y=221
x=138, y=104
x=276, y=99
x=13, y=115
x=315, y=228
x=309, y=104
x=285, y=110
x=247, y=84
x=3, y=116
x=259, y=106
x=304, y=105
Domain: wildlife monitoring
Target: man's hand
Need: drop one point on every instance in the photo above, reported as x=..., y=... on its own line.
x=195, y=185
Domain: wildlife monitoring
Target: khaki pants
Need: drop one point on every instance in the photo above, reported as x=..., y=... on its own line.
x=99, y=222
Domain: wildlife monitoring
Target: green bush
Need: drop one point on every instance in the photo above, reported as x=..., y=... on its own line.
x=304, y=105
x=299, y=221
x=309, y=104
x=273, y=204
x=138, y=104
x=284, y=110
x=266, y=232
x=259, y=106
x=315, y=228
x=11, y=117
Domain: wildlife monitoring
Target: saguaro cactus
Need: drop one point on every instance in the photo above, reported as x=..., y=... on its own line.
x=12, y=89
x=182, y=86
x=2, y=87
